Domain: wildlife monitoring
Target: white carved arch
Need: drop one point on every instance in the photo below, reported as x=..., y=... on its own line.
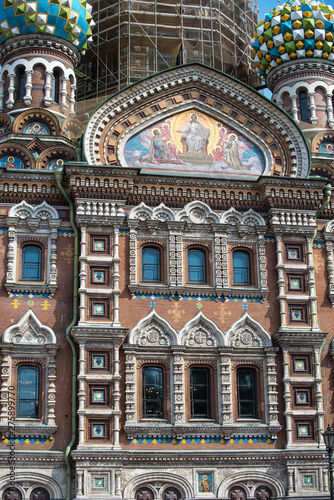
x=29, y=66
x=141, y=212
x=246, y=332
x=43, y=211
x=150, y=478
x=235, y=218
x=163, y=213
x=197, y=212
x=153, y=330
x=37, y=480
x=200, y=331
x=29, y=331
x=256, y=478
x=329, y=227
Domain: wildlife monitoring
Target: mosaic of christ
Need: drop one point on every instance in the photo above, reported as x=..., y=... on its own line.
x=193, y=142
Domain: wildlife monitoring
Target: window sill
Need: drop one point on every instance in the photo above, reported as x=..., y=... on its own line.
x=191, y=290
x=201, y=428
x=31, y=287
x=28, y=429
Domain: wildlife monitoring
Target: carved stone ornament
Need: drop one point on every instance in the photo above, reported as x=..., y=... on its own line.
x=29, y=330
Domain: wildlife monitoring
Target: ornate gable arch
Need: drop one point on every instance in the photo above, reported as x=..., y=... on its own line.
x=249, y=218
x=43, y=211
x=247, y=333
x=197, y=212
x=153, y=330
x=200, y=331
x=105, y=136
x=29, y=331
x=166, y=478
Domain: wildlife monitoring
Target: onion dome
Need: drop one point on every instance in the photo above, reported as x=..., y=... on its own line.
x=297, y=29
x=67, y=19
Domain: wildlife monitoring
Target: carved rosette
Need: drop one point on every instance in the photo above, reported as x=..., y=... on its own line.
x=263, y=263
x=272, y=389
x=226, y=389
x=175, y=260
x=133, y=256
x=178, y=374
x=130, y=389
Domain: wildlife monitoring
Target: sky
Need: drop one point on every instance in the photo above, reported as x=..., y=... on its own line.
x=265, y=7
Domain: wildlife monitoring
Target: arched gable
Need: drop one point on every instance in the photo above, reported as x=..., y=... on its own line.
x=197, y=212
x=29, y=331
x=153, y=330
x=247, y=333
x=200, y=331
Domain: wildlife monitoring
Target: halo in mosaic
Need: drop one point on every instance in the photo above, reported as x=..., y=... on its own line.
x=67, y=19
x=294, y=30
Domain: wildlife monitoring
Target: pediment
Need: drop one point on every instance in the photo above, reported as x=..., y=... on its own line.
x=29, y=331
x=238, y=132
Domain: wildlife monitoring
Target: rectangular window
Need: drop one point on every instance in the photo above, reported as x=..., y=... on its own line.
x=200, y=400
x=28, y=392
x=246, y=385
x=152, y=392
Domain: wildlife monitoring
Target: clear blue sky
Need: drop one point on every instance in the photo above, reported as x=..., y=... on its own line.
x=266, y=6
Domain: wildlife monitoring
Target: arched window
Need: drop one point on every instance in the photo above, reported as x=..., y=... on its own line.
x=171, y=493
x=196, y=266
x=241, y=268
x=200, y=399
x=27, y=391
x=12, y=493
x=39, y=494
x=151, y=264
x=56, y=86
x=31, y=263
x=237, y=493
x=246, y=386
x=20, y=84
x=152, y=392
x=144, y=494
x=304, y=114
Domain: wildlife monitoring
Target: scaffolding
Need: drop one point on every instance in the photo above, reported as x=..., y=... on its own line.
x=135, y=39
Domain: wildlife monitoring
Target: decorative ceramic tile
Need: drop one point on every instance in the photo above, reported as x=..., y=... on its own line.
x=98, y=430
x=204, y=483
x=303, y=430
x=296, y=314
x=293, y=253
x=295, y=283
x=98, y=361
x=300, y=365
x=302, y=397
x=98, y=396
x=99, y=309
x=99, y=276
x=307, y=480
x=98, y=482
x=99, y=245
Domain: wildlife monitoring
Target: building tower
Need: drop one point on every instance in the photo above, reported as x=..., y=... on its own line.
x=137, y=39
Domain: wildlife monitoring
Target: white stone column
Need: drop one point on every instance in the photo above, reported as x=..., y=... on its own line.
x=63, y=94
x=83, y=274
x=318, y=396
x=51, y=394
x=291, y=488
x=178, y=383
x=81, y=394
x=118, y=490
x=311, y=283
x=27, y=99
x=11, y=89
x=2, y=93
x=80, y=483
x=287, y=398
x=116, y=276
x=116, y=399
x=294, y=108
x=5, y=379
x=48, y=88
x=313, y=117
x=281, y=280
x=329, y=109
x=72, y=100
x=226, y=389
x=133, y=256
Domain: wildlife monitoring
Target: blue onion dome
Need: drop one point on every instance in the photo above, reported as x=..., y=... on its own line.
x=294, y=30
x=68, y=19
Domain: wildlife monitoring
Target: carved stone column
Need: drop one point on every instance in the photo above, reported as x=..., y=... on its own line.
x=133, y=256
x=27, y=99
x=178, y=382
x=226, y=389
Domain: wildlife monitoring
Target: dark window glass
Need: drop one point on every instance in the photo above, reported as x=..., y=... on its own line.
x=20, y=84
x=56, y=86
x=144, y=494
x=200, y=393
x=196, y=266
x=152, y=392
x=241, y=268
x=151, y=264
x=246, y=380
x=28, y=392
x=39, y=494
x=12, y=493
x=31, y=263
x=304, y=114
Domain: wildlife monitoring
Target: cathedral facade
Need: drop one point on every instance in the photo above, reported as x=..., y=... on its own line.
x=167, y=269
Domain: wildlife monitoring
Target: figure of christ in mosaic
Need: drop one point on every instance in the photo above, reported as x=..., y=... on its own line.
x=193, y=142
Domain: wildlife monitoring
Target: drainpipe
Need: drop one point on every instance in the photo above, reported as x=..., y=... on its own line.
x=59, y=175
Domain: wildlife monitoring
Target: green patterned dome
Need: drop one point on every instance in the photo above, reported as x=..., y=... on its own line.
x=294, y=30
x=67, y=19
